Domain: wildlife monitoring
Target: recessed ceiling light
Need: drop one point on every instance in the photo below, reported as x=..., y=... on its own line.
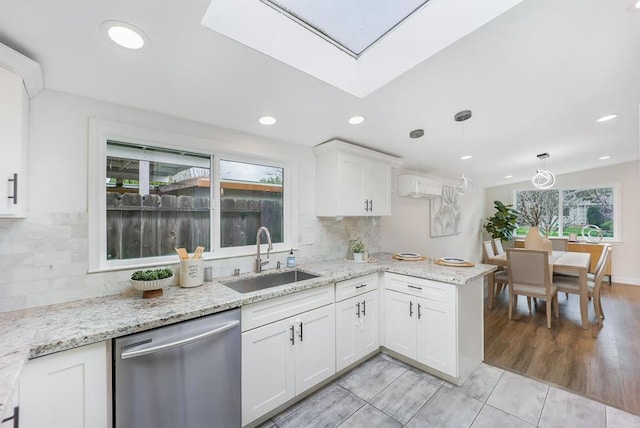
x=356, y=120
x=126, y=35
x=508, y=176
x=466, y=157
x=604, y=157
x=607, y=118
x=267, y=120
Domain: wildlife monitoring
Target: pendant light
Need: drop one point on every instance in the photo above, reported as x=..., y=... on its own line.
x=463, y=185
x=543, y=179
x=417, y=190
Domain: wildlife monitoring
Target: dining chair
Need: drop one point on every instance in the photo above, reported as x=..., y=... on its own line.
x=530, y=275
x=497, y=246
x=571, y=284
x=500, y=278
x=601, y=262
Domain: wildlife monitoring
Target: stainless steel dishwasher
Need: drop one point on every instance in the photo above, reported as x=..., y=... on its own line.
x=186, y=375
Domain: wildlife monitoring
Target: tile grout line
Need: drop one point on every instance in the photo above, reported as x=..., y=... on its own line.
x=426, y=402
x=544, y=403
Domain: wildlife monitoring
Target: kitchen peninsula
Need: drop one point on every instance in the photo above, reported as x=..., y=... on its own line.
x=37, y=332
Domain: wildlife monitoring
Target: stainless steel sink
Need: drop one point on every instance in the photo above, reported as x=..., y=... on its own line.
x=270, y=280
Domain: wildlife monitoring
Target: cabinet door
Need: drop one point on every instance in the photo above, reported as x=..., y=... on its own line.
x=369, y=322
x=267, y=368
x=315, y=348
x=400, y=323
x=436, y=335
x=14, y=105
x=11, y=413
x=347, y=332
x=68, y=389
x=378, y=188
x=351, y=184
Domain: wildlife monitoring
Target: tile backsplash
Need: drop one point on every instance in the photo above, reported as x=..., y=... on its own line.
x=44, y=258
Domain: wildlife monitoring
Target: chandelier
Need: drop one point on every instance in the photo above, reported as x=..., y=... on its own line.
x=542, y=178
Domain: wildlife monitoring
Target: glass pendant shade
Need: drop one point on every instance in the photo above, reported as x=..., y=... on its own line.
x=463, y=185
x=543, y=179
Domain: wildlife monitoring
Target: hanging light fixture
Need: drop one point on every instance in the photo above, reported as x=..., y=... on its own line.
x=417, y=188
x=463, y=185
x=542, y=178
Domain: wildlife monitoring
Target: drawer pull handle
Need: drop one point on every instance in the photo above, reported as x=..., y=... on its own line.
x=15, y=417
x=360, y=286
x=293, y=336
x=410, y=308
x=364, y=308
x=419, y=314
x=300, y=335
x=414, y=286
x=358, y=306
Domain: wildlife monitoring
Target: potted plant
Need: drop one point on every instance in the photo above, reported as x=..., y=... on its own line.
x=358, y=250
x=151, y=281
x=503, y=223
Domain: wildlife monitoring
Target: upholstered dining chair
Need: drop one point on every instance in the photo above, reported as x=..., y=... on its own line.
x=530, y=275
x=497, y=246
x=500, y=278
x=571, y=283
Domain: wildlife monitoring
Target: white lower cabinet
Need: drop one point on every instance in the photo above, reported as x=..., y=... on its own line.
x=68, y=389
x=422, y=330
x=357, y=329
x=285, y=358
x=436, y=324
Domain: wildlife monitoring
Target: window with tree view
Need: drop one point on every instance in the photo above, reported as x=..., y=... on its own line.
x=563, y=212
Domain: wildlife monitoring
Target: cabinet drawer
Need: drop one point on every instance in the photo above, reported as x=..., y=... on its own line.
x=432, y=290
x=267, y=311
x=356, y=286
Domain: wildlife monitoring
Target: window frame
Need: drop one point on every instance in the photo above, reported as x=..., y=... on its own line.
x=617, y=207
x=102, y=131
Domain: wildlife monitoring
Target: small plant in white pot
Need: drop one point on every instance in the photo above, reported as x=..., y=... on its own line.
x=151, y=281
x=358, y=250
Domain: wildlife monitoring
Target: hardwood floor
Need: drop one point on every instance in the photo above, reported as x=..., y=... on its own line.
x=602, y=363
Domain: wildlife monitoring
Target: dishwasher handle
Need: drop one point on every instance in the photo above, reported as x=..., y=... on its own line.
x=181, y=342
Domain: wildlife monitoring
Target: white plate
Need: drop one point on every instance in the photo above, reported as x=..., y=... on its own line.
x=409, y=255
x=454, y=260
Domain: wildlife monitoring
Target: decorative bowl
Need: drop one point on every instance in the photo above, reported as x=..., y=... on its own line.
x=151, y=288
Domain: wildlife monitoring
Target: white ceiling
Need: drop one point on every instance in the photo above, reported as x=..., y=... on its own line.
x=535, y=77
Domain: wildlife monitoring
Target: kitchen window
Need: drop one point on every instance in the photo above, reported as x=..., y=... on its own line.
x=563, y=212
x=149, y=196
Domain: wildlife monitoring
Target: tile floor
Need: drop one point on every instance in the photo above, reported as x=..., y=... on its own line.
x=384, y=392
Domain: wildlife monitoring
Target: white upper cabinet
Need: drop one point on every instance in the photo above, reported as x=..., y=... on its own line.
x=14, y=128
x=20, y=79
x=352, y=181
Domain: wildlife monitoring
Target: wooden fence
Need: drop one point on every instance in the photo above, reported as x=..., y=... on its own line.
x=152, y=225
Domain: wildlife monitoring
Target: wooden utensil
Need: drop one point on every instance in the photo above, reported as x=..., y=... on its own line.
x=182, y=253
x=198, y=253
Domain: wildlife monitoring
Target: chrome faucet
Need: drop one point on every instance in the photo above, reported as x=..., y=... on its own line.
x=259, y=262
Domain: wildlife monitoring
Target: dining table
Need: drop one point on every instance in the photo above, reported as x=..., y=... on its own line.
x=561, y=261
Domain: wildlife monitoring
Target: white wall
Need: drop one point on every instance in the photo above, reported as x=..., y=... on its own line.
x=44, y=258
x=626, y=252
x=408, y=227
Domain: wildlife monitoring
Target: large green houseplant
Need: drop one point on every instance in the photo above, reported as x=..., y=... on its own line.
x=503, y=223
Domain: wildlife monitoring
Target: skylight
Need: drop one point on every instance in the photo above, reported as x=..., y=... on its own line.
x=353, y=25
x=393, y=36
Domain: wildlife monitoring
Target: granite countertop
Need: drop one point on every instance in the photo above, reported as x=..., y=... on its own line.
x=41, y=331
